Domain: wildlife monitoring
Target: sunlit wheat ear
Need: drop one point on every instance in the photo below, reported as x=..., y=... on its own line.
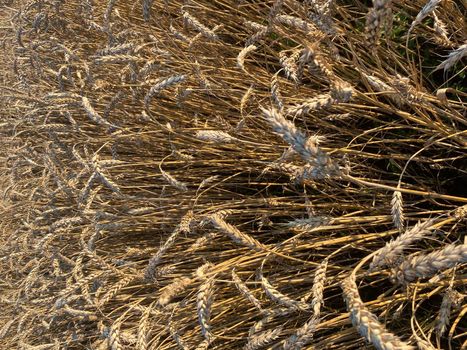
x=183, y=227
x=164, y=84
x=441, y=29
x=307, y=147
x=245, y=291
x=143, y=328
x=428, y=265
x=92, y=113
x=235, y=234
x=317, y=290
x=194, y=23
x=246, y=96
x=262, y=339
x=453, y=57
x=204, y=300
x=173, y=290
x=280, y=298
x=367, y=323
x=173, y=181
x=177, y=338
x=242, y=56
x=313, y=104
x=289, y=65
x=276, y=93
x=397, y=210
x=390, y=254
x=215, y=136
x=302, y=335
x=429, y=7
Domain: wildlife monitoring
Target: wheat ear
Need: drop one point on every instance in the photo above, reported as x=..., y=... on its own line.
x=389, y=254
x=317, y=290
x=366, y=322
x=302, y=336
x=245, y=291
x=204, y=300
x=377, y=16
x=429, y=7
x=427, y=265
x=397, y=210
x=184, y=226
x=164, y=84
x=242, y=55
x=280, y=298
x=208, y=33
x=174, y=289
x=262, y=339
x=235, y=234
x=453, y=57
x=307, y=147
x=216, y=136
x=142, y=340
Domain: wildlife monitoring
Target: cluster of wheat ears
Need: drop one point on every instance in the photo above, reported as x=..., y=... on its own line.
x=233, y=174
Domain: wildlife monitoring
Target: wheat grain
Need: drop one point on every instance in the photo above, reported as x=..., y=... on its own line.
x=427, y=265
x=367, y=323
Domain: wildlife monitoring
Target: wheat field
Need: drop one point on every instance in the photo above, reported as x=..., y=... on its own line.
x=233, y=174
